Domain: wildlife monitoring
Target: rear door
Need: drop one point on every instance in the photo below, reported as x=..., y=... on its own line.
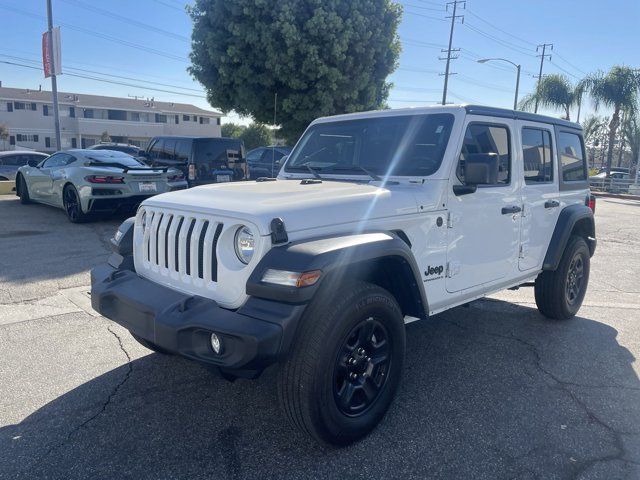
x=541, y=202
x=484, y=226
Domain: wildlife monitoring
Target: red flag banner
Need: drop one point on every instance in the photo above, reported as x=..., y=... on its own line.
x=51, y=60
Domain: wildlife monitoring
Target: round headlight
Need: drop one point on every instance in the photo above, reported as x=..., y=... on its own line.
x=244, y=244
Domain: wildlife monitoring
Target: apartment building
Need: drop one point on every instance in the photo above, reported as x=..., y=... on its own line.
x=86, y=119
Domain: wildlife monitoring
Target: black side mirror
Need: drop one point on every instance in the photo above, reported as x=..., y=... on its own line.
x=32, y=162
x=479, y=169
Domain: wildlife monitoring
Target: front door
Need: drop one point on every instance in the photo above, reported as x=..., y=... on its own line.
x=539, y=193
x=484, y=226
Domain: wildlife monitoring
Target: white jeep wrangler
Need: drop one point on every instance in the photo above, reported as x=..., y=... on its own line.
x=376, y=219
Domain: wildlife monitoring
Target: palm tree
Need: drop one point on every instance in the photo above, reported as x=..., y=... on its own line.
x=591, y=127
x=617, y=89
x=631, y=132
x=556, y=92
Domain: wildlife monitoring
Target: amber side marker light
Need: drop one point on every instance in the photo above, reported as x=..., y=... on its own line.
x=291, y=279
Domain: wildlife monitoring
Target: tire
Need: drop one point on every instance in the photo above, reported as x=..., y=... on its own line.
x=150, y=345
x=559, y=294
x=316, y=381
x=22, y=190
x=72, y=205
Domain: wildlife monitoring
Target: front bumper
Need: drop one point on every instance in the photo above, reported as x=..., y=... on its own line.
x=253, y=337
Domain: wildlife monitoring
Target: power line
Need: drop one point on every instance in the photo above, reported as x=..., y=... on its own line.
x=473, y=81
x=501, y=42
x=121, y=18
x=527, y=42
x=425, y=16
x=564, y=70
x=425, y=8
x=569, y=63
x=171, y=6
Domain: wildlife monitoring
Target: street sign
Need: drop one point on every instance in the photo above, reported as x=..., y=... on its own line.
x=51, y=63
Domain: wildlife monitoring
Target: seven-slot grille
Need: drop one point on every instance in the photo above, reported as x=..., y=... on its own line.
x=183, y=244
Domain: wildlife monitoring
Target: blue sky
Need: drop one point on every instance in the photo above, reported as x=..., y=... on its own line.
x=587, y=35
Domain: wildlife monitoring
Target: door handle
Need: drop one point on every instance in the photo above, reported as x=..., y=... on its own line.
x=510, y=210
x=551, y=204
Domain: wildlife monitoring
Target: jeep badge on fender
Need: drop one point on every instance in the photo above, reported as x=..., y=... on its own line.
x=316, y=270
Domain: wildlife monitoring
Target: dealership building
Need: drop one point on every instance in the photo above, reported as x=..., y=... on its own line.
x=84, y=119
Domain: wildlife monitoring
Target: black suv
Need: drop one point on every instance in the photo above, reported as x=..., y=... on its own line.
x=203, y=160
x=266, y=161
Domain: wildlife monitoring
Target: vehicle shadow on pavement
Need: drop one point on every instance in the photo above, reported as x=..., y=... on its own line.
x=492, y=390
x=39, y=243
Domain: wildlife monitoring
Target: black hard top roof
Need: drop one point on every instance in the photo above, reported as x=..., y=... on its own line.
x=518, y=115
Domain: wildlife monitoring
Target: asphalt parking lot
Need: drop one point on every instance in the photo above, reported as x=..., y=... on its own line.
x=492, y=390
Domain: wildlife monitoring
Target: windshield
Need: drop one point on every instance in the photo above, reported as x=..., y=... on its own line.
x=408, y=145
x=113, y=156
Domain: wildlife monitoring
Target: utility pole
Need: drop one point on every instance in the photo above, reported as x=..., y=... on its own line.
x=451, y=50
x=54, y=83
x=542, y=57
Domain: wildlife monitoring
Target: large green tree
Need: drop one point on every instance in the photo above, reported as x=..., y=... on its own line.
x=256, y=135
x=232, y=130
x=321, y=57
x=616, y=89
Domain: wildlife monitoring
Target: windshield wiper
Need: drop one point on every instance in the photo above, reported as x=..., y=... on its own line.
x=313, y=172
x=362, y=169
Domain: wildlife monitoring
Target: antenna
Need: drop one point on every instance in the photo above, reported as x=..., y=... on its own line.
x=273, y=148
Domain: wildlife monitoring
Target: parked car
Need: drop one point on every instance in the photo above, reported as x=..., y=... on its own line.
x=616, y=182
x=376, y=219
x=266, y=161
x=84, y=182
x=118, y=147
x=12, y=160
x=202, y=160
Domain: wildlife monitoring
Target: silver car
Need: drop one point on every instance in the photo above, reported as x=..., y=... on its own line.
x=13, y=159
x=84, y=182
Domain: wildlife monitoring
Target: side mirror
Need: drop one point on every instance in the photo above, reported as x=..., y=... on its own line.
x=32, y=162
x=479, y=169
x=282, y=160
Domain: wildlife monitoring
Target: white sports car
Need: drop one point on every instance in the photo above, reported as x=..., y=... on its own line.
x=83, y=182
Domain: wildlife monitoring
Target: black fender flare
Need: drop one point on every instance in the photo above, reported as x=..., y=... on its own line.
x=572, y=217
x=337, y=257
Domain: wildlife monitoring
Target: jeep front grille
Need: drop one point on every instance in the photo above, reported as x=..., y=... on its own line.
x=183, y=244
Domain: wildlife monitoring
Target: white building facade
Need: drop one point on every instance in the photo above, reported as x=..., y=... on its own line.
x=86, y=119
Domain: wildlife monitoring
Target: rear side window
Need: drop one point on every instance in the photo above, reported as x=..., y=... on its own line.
x=156, y=148
x=487, y=138
x=168, y=150
x=537, y=155
x=214, y=150
x=572, y=157
x=183, y=149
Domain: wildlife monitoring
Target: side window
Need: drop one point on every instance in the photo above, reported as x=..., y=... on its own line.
x=537, y=155
x=572, y=157
x=254, y=155
x=487, y=138
x=156, y=148
x=183, y=149
x=168, y=151
x=55, y=160
x=12, y=160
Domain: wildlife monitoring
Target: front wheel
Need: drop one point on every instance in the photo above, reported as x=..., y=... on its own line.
x=559, y=294
x=22, y=190
x=72, y=205
x=345, y=364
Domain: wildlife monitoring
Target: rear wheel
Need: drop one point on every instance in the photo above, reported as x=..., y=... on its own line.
x=559, y=294
x=72, y=205
x=22, y=190
x=150, y=345
x=345, y=364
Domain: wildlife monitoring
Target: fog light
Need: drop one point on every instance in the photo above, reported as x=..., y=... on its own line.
x=216, y=344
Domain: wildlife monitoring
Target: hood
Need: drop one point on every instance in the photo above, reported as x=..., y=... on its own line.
x=301, y=206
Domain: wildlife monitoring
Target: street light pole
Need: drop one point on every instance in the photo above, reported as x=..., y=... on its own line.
x=515, y=99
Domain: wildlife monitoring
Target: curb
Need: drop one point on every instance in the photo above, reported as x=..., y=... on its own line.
x=622, y=196
x=7, y=187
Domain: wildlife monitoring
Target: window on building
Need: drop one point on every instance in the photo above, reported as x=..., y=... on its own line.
x=177, y=117
x=25, y=106
x=116, y=115
x=45, y=110
x=195, y=118
x=47, y=142
x=204, y=120
x=537, y=155
x=572, y=157
x=12, y=140
x=487, y=138
x=72, y=112
x=74, y=143
x=185, y=118
x=160, y=118
x=218, y=121
x=19, y=105
x=88, y=113
x=135, y=116
x=23, y=137
x=10, y=107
